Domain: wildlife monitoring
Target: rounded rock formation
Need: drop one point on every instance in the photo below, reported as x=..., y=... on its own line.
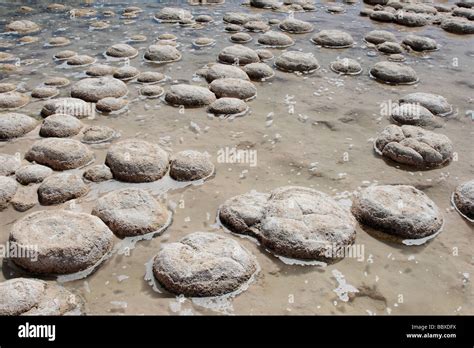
x=96, y=88
x=414, y=146
x=203, y=264
x=13, y=125
x=65, y=242
x=135, y=160
x=393, y=73
x=398, y=210
x=60, y=188
x=191, y=165
x=189, y=96
x=131, y=212
x=463, y=199
x=233, y=88
x=60, y=126
x=296, y=61
x=59, y=154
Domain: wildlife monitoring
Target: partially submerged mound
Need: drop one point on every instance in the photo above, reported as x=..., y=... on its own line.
x=203, y=264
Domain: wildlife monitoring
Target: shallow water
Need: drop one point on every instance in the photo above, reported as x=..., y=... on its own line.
x=322, y=121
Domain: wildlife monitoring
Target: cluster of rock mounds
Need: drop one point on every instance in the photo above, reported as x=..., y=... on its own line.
x=454, y=19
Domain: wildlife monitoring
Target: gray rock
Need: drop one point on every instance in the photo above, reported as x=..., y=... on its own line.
x=463, y=198
x=162, y=54
x=98, y=70
x=256, y=26
x=9, y=164
x=275, y=39
x=32, y=174
x=346, y=66
x=173, y=14
x=376, y=2
x=420, y=43
x=189, y=96
x=80, y=60
x=111, y=104
x=398, y=210
x=13, y=125
x=152, y=91
x=382, y=16
x=44, y=92
x=23, y=27
x=410, y=19
x=240, y=18
x=13, y=100
x=219, y=71
x=296, y=61
x=233, y=88
x=464, y=12
x=228, y=106
x=131, y=212
x=437, y=104
x=98, y=173
x=395, y=73
x=59, y=154
x=135, y=160
x=60, y=126
x=457, y=26
x=259, y=71
x=67, y=242
x=295, y=26
x=126, y=73
x=380, y=36
x=8, y=187
x=96, y=88
x=240, y=38
x=413, y=114
x=390, y=48
x=414, y=146
x=25, y=296
x=238, y=54
x=264, y=54
x=150, y=77
x=121, y=50
x=203, y=264
x=60, y=188
x=191, y=165
x=25, y=198
x=70, y=106
x=333, y=39
x=296, y=222
x=97, y=134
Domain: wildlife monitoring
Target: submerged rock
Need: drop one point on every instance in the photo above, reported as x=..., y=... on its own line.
x=420, y=43
x=292, y=221
x=395, y=73
x=13, y=100
x=135, y=160
x=239, y=55
x=32, y=173
x=346, y=66
x=296, y=61
x=23, y=27
x=219, y=71
x=398, y=210
x=70, y=106
x=162, y=54
x=98, y=173
x=233, y=88
x=295, y=26
x=203, y=264
x=258, y=71
x=8, y=187
x=275, y=39
x=9, y=164
x=67, y=242
x=463, y=198
x=189, y=96
x=26, y=296
x=437, y=104
x=94, y=89
x=228, y=106
x=59, y=154
x=191, y=165
x=60, y=126
x=380, y=36
x=13, y=125
x=413, y=114
x=333, y=39
x=131, y=212
x=111, y=104
x=62, y=187
x=414, y=146
x=121, y=51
